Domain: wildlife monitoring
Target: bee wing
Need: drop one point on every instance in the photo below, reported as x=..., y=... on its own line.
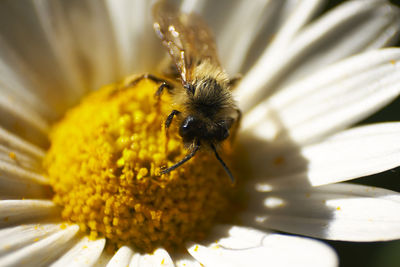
x=186, y=37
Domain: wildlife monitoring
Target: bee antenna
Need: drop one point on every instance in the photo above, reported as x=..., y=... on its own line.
x=223, y=164
x=182, y=161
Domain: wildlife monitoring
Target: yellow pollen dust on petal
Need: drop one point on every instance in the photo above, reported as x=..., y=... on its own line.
x=104, y=164
x=12, y=155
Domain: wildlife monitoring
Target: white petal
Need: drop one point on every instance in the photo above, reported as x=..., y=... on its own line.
x=240, y=246
x=15, y=187
x=15, y=151
x=13, y=142
x=121, y=258
x=330, y=100
x=354, y=153
x=189, y=6
x=211, y=12
x=325, y=41
x=17, y=117
x=339, y=212
x=104, y=259
x=138, y=48
x=159, y=257
x=17, y=158
x=41, y=252
x=60, y=47
x=283, y=20
x=16, y=237
x=387, y=38
x=185, y=260
x=17, y=172
x=356, y=16
x=84, y=253
x=253, y=16
x=73, y=50
x=302, y=13
x=83, y=29
x=23, y=121
x=36, y=63
x=14, y=81
x=14, y=211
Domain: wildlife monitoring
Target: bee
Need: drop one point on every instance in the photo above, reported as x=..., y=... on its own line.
x=209, y=111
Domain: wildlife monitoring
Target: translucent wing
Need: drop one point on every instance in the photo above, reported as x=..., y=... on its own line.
x=186, y=37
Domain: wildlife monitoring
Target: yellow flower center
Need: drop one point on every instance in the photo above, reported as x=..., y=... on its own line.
x=104, y=166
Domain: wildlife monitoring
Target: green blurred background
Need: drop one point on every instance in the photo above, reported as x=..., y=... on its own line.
x=376, y=254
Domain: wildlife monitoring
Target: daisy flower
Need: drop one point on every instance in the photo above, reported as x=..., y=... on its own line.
x=307, y=78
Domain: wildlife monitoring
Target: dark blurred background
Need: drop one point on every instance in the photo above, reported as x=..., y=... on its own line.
x=376, y=254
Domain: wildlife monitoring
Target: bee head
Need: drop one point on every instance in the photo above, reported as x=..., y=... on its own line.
x=191, y=128
x=195, y=128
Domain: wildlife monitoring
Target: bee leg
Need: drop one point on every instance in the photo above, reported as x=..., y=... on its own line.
x=162, y=82
x=161, y=88
x=138, y=79
x=170, y=117
x=182, y=161
x=168, y=122
x=153, y=78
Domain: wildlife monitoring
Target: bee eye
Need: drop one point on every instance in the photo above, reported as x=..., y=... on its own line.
x=187, y=123
x=189, y=127
x=222, y=133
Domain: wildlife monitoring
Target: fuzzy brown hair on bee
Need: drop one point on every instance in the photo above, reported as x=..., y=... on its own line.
x=208, y=110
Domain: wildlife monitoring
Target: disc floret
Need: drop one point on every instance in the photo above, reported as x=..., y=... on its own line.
x=104, y=166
